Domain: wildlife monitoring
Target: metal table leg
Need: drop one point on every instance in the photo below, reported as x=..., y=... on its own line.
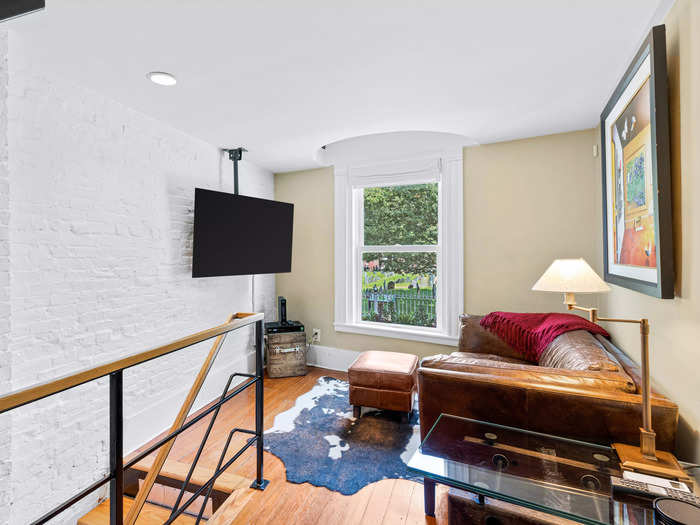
x=429, y=496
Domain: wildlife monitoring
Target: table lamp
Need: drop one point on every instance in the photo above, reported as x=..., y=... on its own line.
x=572, y=276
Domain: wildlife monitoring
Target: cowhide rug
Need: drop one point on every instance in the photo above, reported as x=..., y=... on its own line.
x=320, y=442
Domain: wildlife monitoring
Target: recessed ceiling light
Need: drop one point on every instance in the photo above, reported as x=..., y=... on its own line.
x=161, y=78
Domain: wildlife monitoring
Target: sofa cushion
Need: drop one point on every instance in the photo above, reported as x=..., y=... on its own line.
x=455, y=359
x=473, y=338
x=510, y=370
x=384, y=370
x=578, y=350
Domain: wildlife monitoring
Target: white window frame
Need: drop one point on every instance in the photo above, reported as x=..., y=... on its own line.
x=445, y=168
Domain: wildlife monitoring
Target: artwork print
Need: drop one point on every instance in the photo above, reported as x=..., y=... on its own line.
x=633, y=226
x=637, y=216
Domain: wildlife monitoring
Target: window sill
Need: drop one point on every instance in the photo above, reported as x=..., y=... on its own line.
x=409, y=334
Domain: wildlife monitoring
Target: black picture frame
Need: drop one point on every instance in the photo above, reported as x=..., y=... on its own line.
x=654, y=49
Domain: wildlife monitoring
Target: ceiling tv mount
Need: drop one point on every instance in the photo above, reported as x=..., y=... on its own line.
x=235, y=155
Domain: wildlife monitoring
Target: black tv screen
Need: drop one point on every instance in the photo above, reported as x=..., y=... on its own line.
x=239, y=235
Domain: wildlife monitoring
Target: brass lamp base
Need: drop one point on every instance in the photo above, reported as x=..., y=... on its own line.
x=647, y=443
x=664, y=466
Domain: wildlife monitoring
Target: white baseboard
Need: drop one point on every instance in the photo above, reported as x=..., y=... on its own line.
x=331, y=358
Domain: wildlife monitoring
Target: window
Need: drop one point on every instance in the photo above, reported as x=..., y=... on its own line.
x=399, y=254
x=399, y=249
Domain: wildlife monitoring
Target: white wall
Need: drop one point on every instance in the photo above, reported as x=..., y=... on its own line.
x=100, y=226
x=5, y=435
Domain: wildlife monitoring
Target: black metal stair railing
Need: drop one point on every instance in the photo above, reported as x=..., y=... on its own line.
x=188, y=477
x=117, y=467
x=219, y=470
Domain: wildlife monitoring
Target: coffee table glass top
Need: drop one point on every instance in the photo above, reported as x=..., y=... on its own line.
x=564, y=477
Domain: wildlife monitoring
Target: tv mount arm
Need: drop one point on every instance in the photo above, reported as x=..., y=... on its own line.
x=235, y=155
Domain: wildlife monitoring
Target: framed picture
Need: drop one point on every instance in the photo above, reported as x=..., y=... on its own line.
x=637, y=217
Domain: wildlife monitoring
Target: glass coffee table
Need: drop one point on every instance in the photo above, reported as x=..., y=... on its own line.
x=559, y=476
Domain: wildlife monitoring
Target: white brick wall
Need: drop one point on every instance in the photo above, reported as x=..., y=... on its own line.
x=100, y=229
x=5, y=435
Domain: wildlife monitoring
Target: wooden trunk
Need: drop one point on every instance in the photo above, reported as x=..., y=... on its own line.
x=286, y=354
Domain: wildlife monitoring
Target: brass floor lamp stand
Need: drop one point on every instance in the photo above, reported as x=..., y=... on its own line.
x=645, y=458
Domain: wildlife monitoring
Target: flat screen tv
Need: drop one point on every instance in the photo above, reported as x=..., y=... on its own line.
x=239, y=235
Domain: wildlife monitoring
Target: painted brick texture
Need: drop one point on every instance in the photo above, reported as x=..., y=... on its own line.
x=100, y=232
x=5, y=378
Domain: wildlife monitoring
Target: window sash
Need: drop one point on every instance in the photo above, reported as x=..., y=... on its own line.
x=357, y=299
x=358, y=224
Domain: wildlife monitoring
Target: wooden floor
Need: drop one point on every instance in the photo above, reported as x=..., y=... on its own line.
x=385, y=502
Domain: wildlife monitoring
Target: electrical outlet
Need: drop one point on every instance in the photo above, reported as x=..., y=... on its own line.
x=316, y=336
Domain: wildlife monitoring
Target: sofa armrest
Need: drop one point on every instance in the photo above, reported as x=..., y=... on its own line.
x=473, y=338
x=570, y=411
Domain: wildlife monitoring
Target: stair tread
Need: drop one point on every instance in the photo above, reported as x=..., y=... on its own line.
x=226, y=482
x=150, y=515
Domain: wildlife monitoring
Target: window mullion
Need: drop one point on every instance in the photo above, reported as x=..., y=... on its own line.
x=397, y=248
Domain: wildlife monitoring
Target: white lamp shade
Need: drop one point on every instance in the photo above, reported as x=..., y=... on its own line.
x=570, y=276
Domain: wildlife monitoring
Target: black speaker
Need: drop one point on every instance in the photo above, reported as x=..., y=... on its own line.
x=675, y=512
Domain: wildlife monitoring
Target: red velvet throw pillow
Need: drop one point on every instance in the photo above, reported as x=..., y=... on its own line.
x=530, y=334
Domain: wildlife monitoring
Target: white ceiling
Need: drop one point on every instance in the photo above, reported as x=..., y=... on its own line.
x=283, y=80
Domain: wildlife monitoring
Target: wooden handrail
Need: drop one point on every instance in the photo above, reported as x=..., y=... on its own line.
x=39, y=391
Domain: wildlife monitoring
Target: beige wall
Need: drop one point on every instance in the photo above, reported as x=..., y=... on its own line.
x=675, y=324
x=525, y=203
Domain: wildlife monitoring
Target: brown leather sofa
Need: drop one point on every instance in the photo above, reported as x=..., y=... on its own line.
x=587, y=389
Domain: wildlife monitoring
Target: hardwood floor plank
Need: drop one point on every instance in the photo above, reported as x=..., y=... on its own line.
x=360, y=500
x=416, y=510
x=290, y=505
x=317, y=498
x=268, y=504
x=336, y=510
x=232, y=508
x=150, y=515
x=377, y=504
x=398, y=506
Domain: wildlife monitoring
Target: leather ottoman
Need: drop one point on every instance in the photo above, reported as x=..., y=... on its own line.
x=385, y=380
